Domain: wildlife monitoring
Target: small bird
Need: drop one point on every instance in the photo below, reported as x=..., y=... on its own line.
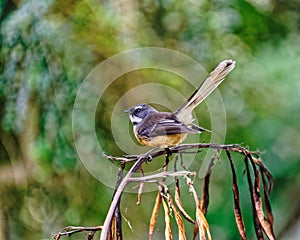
x=165, y=129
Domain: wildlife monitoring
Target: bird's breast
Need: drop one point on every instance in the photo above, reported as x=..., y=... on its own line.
x=163, y=141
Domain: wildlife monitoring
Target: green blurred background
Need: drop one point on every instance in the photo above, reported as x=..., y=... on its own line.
x=48, y=48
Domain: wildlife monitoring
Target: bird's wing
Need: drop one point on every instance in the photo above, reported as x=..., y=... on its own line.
x=169, y=127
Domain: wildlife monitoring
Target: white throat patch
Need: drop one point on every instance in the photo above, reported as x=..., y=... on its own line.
x=135, y=120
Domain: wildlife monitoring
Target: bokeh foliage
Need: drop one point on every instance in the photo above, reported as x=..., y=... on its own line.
x=49, y=47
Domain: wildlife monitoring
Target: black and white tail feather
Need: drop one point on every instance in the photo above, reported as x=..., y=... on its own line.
x=184, y=112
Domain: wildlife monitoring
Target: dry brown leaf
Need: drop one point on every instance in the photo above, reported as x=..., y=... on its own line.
x=200, y=218
x=140, y=191
x=111, y=234
x=237, y=209
x=141, y=187
x=257, y=225
x=266, y=226
x=168, y=229
x=154, y=215
x=180, y=224
x=179, y=203
x=118, y=224
x=196, y=230
x=267, y=198
x=205, y=192
x=202, y=222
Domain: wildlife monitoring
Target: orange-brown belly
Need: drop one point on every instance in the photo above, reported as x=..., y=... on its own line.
x=162, y=141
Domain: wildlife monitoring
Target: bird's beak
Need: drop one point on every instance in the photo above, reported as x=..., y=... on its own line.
x=126, y=111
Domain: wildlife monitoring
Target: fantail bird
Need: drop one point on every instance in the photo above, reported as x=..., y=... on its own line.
x=165, y=129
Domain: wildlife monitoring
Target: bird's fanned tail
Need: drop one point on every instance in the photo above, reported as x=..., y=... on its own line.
x=184, y=112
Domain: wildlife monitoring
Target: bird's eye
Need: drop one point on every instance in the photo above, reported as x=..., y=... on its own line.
x=138, y=110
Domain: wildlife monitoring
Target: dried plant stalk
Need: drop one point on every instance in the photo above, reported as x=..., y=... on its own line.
x=265, y=224
x=257, y=226
x=205, y=192
x=154, y=215
x=179, y=203
x=112, y=228
x=141, y=187
x=70, y=230
x=237, y=210
x=180, y=224
x=111, y=234
x=267, y=198
x=168, y=229
x=200, y=218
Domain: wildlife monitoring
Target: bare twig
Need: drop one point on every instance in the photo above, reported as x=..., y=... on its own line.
x=141, y=188
x=70, y=230
x=180, y=149
x=117, y=221
x=118, y=194
x=179, y=203
x=150, y=178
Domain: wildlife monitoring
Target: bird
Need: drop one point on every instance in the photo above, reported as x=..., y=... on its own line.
x=166, y=129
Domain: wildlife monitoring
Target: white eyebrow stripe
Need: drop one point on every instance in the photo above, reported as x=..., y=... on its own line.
x=138, y=107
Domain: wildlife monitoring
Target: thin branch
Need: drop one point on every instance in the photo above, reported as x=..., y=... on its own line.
x=118, y=216
x=181, y=149
x=141, y=188
x=118, y=194
x=70, y=230
x=179, y=203
x=161, y=175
